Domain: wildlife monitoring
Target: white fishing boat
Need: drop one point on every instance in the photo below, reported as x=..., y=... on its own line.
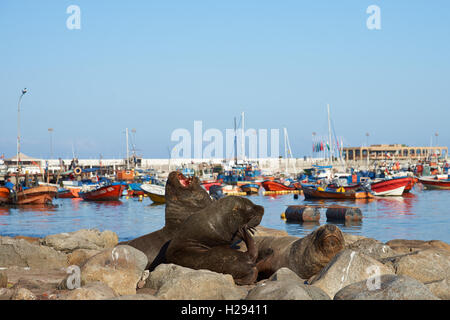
x=155, y=192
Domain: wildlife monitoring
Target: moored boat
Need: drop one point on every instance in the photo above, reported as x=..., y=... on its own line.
x=155, y=192
x=435, y=183
x=410, y=185
x=250, y=188
x=270, y=185
x=319, y=193
x=34, y=195
x=4, y=195
x=390, y=187
x=68, y=193
x=103, y=193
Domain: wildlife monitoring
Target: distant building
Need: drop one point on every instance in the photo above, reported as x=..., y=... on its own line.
x=393, y=151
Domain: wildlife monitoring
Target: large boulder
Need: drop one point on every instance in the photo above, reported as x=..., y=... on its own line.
x=389, y=287
x=21, y=253
x=408, y=246
x=173, y=282
x=345, y=268
x=440, y=288
x=91, y=239
x=285, y=285
x=80, y=256
x=120, y=268
x=372, y=248
x=91, y=291
x=424, y=265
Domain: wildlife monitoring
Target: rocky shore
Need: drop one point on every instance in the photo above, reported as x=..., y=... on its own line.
x=90, y=265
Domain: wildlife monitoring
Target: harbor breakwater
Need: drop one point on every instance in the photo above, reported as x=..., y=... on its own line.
x=90, y=265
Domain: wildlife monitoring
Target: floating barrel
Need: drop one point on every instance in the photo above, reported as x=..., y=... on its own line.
x=344, y=214
x=302, y=213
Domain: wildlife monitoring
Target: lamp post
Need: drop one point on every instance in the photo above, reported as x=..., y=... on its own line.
x=24, y=90
x=50, y=130
x=368, y=151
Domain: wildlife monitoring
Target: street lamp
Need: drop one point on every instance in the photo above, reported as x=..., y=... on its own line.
x=24, y=90
x=50, y=130
x=436, y=134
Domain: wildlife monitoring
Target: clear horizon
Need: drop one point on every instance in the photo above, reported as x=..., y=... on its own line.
x=157, y=66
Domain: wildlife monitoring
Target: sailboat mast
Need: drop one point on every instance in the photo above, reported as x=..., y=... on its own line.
x=243, y=137
x=128, y=155
x=329, y=134
x=235, y=142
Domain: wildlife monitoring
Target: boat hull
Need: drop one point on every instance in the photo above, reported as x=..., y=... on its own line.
x=106, y=193
x=69, y=193
x=392, y=187
x=435, y=184
x=4, y=195
x=312, y=193
x=156, y=193
x=35, y=195
x=276, y=186
x=250, y=188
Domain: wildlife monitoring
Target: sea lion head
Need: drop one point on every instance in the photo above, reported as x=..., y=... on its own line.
x=329, y=240
x=184, y=196
x=240, y=212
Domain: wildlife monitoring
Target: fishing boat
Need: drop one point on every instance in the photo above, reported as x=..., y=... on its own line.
x=68, y=193
x=390, y=187
x=102, y=193
x=155, y=192
x=311, y=192
x=250, y=188
x=435, y=183
x=410, y=185
x=270, y=185
x=34, y=195
x=208, y=184
x=134, y=190
x=4, y=195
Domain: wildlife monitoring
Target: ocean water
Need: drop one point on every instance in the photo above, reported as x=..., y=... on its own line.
x=420, y=215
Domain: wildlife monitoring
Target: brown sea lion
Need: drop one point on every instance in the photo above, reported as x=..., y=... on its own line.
x=305, y=256
x=204, y=240
x=184, y=196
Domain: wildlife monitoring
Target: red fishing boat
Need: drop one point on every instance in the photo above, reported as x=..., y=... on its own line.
x=270, y=185
x=435, y=183
x=208, y=184
x=410, y=185
x=69, y=193
x=390, y=187
x=103, y=193
x=4, y=195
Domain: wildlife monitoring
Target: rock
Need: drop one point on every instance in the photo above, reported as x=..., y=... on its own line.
x=120, y=268
x=425, y=265
x=23, y=294
x=37, y=287
x=408, y=246
x=263, y=232
x=345, y=268
x=372, y=248
x=21, y=253
x=33, y=240
x=3, y=279
x=440, y=288
x=285, y=274
x=136, y=297
x=285, y=285
x=6, y=294
x=389, y=287
x=80, y=256
x=173, y=282
x=91, y=239
x=91, y=291
x=350, y=238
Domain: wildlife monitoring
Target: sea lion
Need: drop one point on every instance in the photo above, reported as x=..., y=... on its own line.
x=184, y=196
x=305, y=256
x=204, y=239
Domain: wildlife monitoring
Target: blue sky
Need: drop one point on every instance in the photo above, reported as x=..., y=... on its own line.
x=159, y=65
